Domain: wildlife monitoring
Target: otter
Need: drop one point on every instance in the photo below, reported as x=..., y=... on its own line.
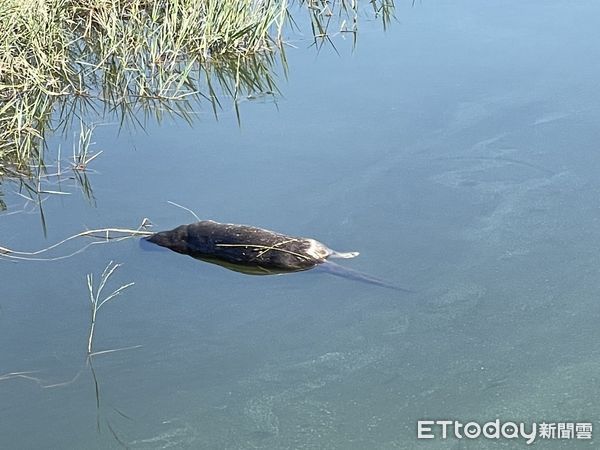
x=256, y=251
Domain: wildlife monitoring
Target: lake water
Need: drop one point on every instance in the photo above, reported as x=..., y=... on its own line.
x=458, y=152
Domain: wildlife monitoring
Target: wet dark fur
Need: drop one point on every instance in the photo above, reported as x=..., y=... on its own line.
x=255, y=251
x=238, y=244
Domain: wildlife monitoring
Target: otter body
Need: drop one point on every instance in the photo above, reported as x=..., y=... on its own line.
x=256, y=251
x=246, y=246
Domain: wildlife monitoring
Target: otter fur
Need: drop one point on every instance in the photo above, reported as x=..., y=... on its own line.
x=246, y=245
x=256, y=251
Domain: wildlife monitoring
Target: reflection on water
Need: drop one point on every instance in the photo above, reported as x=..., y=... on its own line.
x=139, y=59
x=457, y=163
x=251, y=77
x=140, y=86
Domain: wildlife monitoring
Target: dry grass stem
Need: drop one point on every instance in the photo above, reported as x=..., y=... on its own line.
x=104, y=234
x=96, y=299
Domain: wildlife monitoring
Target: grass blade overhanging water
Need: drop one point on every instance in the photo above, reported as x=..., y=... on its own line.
x=59, y=59
x=61, y=52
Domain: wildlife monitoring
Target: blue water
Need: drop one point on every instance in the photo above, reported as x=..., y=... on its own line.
x=458, y=152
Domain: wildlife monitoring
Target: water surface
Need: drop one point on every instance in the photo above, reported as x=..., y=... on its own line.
x=457, y=152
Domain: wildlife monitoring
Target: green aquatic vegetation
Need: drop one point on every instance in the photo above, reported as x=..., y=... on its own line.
x=62, y=54
x=39, y=181
x=326, y=14
x=62, y=59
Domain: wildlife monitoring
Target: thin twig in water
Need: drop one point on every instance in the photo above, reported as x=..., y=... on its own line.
x=105, y=234
x=95, y=297
x=183, y=207
x=24, y=375
x=104, y=352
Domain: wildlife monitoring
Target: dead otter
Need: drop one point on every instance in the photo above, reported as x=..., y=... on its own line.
x=256, y=251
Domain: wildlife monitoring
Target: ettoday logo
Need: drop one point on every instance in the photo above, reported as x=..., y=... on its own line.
x=432, y=429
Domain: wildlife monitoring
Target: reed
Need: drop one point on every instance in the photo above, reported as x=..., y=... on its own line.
x=56, y=54
x=59, y=59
